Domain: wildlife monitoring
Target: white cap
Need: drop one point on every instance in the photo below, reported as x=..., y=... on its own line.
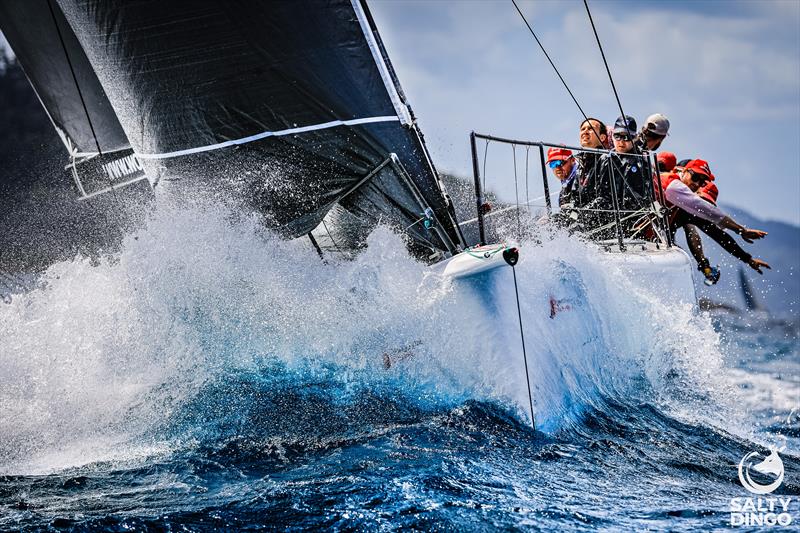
x=657, y=123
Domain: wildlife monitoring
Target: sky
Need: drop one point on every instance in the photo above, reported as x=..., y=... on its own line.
x=726, y=73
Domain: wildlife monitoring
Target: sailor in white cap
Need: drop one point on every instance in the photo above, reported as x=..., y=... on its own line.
x=653, y=133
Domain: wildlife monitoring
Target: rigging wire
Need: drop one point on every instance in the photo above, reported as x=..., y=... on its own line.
x=330, y=236
x=516, y=193
x=527, y=204
x=560, y=77
x=485, y=156
x=550, y=60
x=527, y=199
x=524, y=352
x=646, y=160
x=605, y=62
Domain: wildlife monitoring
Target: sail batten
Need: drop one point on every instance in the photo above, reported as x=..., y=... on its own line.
x=265, y=134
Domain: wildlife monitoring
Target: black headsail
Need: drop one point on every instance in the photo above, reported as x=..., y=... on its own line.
x=298, y=97
x=70, y=92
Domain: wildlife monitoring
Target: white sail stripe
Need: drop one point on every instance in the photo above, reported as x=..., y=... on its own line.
x=399, y=106
x=265, y=134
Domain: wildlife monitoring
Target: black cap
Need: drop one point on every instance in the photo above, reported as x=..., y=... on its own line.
x=625, y=124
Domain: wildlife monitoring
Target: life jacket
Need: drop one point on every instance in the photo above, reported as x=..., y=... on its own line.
x=666, y=179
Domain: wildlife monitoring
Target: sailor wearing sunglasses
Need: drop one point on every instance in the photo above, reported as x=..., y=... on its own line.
x=621, y=170
x=562, y=163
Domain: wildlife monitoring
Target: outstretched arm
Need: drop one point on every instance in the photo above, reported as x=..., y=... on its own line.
x=758, y=264
x=749, y=235
x=682, y=196
x=729, y=244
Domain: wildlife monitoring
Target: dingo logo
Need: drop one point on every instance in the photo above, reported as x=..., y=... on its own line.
x=761, y=475
x=770, y=466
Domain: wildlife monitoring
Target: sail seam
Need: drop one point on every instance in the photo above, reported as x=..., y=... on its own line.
x=265, y=134
x=399, y=106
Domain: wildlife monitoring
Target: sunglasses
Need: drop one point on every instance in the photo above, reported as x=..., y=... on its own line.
x=555, y=164
x=622, y=137
x=698, y=178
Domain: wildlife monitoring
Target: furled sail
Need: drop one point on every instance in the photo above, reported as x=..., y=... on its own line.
x=297, y=96
x=69, y=90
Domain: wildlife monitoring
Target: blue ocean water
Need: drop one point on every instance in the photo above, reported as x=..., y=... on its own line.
x=213, y=377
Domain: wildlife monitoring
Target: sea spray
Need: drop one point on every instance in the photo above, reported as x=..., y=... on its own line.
x=212, y=375
x=105, y=353
x=201, y=306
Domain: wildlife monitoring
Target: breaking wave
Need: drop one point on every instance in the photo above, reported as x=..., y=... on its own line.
x=207, y=330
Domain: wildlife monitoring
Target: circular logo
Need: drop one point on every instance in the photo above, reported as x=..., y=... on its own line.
x=770, y=467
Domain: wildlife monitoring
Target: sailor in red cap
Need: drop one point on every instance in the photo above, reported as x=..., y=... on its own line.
x=690, y=208
x=709, y=192
x=666, y=161
x=562, y=163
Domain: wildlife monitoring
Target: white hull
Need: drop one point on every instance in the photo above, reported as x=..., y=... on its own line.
x=666, y=272
x=474, y=261
x=557, y=321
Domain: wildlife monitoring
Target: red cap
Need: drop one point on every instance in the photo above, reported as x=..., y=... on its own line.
x=558, y=154
x=668, y=160
x=701, y=167
x=709, y=193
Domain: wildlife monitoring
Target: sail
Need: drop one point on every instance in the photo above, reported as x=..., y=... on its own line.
x=69, y=90
x=49, y=53
x=750, y=301
x=298, y=97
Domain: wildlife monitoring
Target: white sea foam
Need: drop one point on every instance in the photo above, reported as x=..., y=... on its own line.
x=102, y=354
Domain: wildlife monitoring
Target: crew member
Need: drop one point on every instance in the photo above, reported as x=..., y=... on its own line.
x=562, y=163
x=666, y=161
x=593, y=134
x=653, y=133
x=621, y=180
x=680, y=190
x=666, y=164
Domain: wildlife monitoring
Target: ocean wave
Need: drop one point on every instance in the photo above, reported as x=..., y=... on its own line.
x=206, y=327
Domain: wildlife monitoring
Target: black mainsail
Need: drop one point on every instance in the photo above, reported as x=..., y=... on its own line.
x=70, y=91
x=297, y=95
